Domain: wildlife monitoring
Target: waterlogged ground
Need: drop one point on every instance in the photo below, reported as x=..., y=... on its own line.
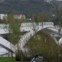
x=7, y=59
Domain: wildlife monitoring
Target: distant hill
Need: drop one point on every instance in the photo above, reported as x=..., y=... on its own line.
x=57, y=3
x=25, y=6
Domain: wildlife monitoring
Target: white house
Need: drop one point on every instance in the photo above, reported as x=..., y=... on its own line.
x=16, y=16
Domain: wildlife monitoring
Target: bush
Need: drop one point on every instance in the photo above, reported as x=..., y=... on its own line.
x=43, y=43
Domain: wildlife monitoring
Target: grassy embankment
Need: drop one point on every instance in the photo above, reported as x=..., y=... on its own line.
x=7, y=59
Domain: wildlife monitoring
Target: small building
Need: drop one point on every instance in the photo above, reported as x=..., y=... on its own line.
x=3, y=16
x=16, y=16
x=19, y=16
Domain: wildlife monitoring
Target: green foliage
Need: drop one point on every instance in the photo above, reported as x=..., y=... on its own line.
x=60, y=21
x=58, y=14
x=42, y=43
x=41, y=17
x=7, y=59
x=14, y=28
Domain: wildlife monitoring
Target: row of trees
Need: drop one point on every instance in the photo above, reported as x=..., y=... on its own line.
x=14, y=28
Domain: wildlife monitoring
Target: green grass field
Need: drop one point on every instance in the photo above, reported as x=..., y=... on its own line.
x=7, y=59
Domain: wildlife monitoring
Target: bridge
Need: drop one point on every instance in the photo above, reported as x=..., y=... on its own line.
x=31, y=28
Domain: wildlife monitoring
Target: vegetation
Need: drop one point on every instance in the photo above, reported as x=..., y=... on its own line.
x=15, y=34
x=7, y=59
x=14, y=27
x=42, y=44
x=58, y=14
x=41, y=17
